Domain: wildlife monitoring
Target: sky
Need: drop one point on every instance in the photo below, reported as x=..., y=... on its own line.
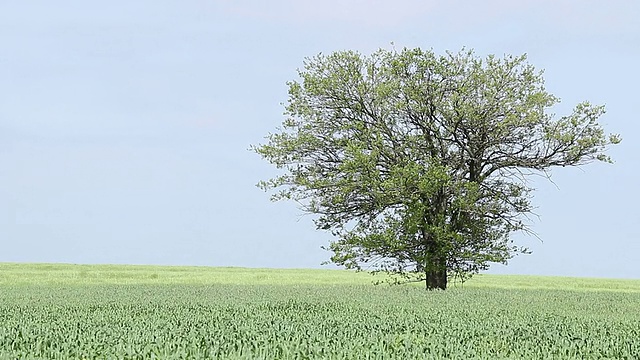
x=125, y=125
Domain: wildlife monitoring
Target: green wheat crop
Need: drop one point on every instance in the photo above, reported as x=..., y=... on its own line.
x=143, y=312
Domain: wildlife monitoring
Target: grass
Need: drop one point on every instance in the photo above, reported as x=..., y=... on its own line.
x=73, y=274
x=61, y=311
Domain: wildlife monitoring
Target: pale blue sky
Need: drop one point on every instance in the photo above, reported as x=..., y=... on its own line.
x=124, y=125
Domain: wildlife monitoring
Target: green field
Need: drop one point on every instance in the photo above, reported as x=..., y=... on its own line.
x=144, y=312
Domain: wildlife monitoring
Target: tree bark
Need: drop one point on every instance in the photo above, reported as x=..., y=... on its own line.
x=436, y=275
x=435, y=266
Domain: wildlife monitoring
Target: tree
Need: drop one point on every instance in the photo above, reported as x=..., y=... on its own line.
x=418, y=163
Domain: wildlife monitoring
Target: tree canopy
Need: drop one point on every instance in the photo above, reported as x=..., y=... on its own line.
x=418, y=163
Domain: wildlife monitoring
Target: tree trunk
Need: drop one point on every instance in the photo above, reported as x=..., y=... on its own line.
x=435, y=266
x=436, y=275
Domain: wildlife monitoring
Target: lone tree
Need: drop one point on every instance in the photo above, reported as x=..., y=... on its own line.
x=418, y=163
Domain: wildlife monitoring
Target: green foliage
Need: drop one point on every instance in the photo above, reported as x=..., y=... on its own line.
x=418, y=163
x=221, y=315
